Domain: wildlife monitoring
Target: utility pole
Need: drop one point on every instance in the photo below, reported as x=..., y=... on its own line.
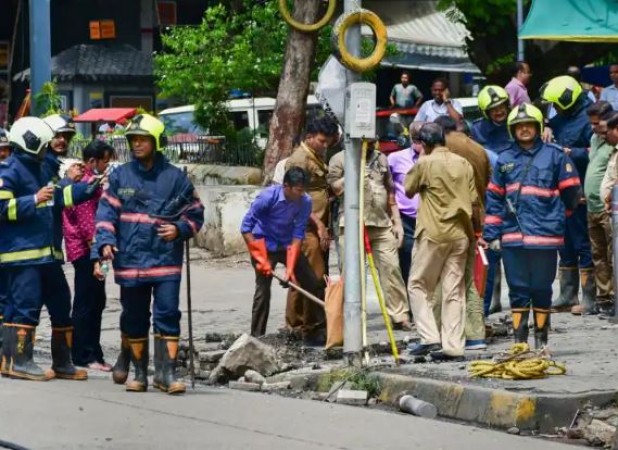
x=352, y=330
x=520, y=21
x=40, y=46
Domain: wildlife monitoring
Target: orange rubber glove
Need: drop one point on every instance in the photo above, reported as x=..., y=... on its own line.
x=293, y=253
x=258, y=251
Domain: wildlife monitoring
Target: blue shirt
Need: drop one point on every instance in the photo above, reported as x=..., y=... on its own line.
x=610, y=94
x=274, y=218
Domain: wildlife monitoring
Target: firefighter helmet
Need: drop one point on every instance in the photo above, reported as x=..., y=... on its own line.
x=562, y=91
x=147, y=125
x=60, y=123
x=525, y=113
x=4, y=138
x=490, y=97
x=30, y=135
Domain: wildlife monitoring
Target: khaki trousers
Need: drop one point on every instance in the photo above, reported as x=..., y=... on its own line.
x=301, y=313
x=600, y=232
x=432, y=262
x=475, y=319
x=386, y=258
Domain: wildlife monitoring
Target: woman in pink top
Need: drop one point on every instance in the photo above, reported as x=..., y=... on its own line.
x=89, y=291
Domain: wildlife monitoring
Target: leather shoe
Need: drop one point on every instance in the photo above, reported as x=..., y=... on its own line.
x=423, y=349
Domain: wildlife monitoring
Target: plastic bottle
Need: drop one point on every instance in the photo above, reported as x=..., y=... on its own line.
x=105, y=268
x=50, y=202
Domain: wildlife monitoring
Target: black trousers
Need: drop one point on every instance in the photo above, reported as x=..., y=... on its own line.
x=405, y=251
x=261, y=300
x=88, y=306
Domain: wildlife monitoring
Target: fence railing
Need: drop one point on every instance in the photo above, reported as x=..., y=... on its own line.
x=187, y=149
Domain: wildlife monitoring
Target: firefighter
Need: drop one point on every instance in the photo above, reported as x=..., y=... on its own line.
x=490, y=130
x=534, y=187
x=30, y=249
x=5, y=152
x=149, y=208
x=572, y=131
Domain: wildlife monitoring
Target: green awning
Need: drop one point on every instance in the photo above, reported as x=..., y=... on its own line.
x=572, y=20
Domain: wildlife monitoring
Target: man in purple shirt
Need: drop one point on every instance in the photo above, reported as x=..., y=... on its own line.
x=518, y=92
x=400, y=163
x=273, y=229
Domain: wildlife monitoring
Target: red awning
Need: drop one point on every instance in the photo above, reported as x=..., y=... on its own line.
x=106, y=115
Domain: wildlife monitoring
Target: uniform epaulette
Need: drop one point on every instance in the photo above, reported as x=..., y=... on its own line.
x=556, y=146
x=479, y=119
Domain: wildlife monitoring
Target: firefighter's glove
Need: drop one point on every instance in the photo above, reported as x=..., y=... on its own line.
x=293, y=253
x=495, y=245
x=258, y=251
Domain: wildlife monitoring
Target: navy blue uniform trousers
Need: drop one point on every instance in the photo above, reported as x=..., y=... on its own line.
x=577, y=251
x=135, y=317
x=405, y=251
x=493, y=260
x=529, y=274
x=31, y=287
x=4, y=292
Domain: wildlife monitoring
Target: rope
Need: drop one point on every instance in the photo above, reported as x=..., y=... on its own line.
x=518, y=363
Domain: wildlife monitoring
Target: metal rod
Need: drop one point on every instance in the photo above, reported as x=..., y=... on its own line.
x=520, y=21
x=352, y=328
x=190, y=311
x=40, y=47
x=307, y=294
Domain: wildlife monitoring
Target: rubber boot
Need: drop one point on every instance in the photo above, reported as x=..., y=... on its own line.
x=158, y=362
x=569, y=288
x=168, y=351
x=496, y=297
x=541, y=327
x=589, y=293
x=120, y=371
x=139, y=358
x=6, y=350
x=21, y=363
x=1, y=334
x=520, y=324
x=62, y=362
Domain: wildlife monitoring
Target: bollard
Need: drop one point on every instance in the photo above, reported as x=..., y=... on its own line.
x=413, y=405
x=614, y=319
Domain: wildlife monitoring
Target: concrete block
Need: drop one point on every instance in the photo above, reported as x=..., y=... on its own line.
x=349, y=397
x=278, y=386
x=211, y=356
x=251, y=387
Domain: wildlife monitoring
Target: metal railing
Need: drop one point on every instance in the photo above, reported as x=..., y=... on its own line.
x=188, y=149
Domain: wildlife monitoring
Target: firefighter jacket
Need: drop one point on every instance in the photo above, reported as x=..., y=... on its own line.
x=492, y=136
x=529, y=196
x=31, y=233
x=573, y=130
x=136, y=202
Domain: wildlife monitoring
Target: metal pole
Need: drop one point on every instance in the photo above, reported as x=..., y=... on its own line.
x=40, y=46
x=520, y=21
x=614, y=319
x=190, y=309
x=352, y=329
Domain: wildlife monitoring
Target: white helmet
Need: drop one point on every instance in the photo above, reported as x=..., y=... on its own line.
x=31, y=135
x=4, y=138
x=60, y=123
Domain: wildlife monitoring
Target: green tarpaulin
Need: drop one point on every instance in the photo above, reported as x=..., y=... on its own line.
x=572, y=20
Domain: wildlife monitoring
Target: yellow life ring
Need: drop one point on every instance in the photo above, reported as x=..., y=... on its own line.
x=285, y=12
x=366, y=17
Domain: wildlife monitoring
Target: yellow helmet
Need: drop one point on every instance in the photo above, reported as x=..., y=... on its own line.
x=147, y=125
x=525, y=113
x=562, y=91
x=490, y=97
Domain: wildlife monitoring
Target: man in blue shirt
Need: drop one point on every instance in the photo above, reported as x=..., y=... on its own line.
x=273, y=229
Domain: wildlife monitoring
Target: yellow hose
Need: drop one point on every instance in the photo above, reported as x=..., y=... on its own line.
x=307, y=28
x=361, y=16
x=361, y=246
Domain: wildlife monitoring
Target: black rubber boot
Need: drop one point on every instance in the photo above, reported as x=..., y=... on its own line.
x=21, y=362
x=139, y=358
x=541, y=327
x=62, y=362
x=496, y=296
x=520, y=324
x=1, y=333
x=168, y=351
x=157, y=380
x=569, y=289
x=120, y=371
x=589, y=293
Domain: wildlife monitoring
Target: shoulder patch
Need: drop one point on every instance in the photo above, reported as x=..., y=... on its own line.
x=506, y=168
x=569, y=168
x=1, y=182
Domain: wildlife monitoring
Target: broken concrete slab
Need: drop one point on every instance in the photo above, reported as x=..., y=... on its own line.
x=244, y=386
x=212, y=356
x=599, y=433
x=350, y=397
x=254, y=377
x=278, y=386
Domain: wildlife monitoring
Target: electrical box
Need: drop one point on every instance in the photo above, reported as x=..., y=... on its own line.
x=361, y=112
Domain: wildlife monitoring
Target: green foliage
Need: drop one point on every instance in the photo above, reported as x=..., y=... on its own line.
x=490, y=15
x=47, y=101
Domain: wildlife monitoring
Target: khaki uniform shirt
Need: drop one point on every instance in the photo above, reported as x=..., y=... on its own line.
x=378, y=185
x=306, y=158
x=445, y=182
x=611, y=176
x=462, y=145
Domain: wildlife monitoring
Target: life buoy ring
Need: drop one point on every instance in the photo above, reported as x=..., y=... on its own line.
x=307, y=28
x=343, y=23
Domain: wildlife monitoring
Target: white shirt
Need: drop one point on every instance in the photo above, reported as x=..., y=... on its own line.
x=430, y=110
x=279, y=171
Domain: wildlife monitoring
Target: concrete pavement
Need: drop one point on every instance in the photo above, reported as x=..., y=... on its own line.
x=98, y=415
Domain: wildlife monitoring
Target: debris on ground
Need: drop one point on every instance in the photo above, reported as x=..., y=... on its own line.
x=412, y=405
x=350, y=397
x=595, y=427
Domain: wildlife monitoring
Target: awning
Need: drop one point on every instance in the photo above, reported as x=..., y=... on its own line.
x=572, y=20
x=106, y=115
x=424, y=36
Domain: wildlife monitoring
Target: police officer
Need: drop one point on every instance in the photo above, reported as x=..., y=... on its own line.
x=534, y=185
x=573, y=132
x=149, y=208
x=30, y=248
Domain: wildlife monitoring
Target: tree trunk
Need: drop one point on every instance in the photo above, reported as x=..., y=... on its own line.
x=289, y=114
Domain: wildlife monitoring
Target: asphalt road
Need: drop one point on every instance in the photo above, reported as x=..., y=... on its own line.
x=99, y=415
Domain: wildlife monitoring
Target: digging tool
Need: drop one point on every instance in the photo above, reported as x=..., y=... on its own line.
x=307, y=294
x=190, y=311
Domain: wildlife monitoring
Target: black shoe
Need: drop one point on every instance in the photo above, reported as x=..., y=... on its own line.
x=441, y=356
x=423, y=349
x=120, y=371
